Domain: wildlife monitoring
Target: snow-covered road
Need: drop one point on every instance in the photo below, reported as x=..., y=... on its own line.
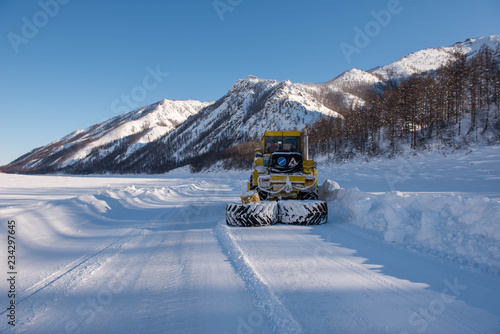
x=153, y=255
x=125, y=260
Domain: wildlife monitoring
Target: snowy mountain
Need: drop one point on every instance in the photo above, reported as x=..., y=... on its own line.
x=245, y=112
x=169, y=134
x=432, y=59
x=164, y=134
x=250, y=107
x=350, y=86
x=136, y=128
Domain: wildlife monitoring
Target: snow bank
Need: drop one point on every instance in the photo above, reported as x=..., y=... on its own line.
x=464, y=229
x=98, y=205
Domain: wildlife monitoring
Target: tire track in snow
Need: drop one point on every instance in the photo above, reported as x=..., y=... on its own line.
x=54, y=277
x=72, y=266
x=278, y=315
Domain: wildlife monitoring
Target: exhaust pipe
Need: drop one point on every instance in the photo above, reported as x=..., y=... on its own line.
x=306, y=145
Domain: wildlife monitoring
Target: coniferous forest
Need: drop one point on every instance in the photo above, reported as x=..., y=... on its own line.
x=452, y=107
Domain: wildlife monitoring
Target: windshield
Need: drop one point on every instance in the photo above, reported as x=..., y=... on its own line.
x=273, y=144
x=282, y=144
x=291, y=144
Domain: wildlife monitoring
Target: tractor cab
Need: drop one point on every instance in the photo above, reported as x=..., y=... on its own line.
x=281, y=151
x=281, y=143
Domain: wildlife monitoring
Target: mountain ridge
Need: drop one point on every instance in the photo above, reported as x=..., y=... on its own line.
x=420, y=61
x=170, y=133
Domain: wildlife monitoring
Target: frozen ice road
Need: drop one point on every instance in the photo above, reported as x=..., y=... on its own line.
x=153, y=255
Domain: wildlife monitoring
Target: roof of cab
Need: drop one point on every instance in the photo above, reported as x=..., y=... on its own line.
x=282, y=134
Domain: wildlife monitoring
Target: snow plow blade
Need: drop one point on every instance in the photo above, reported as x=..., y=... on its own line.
x=253, y=214
x=293, y=212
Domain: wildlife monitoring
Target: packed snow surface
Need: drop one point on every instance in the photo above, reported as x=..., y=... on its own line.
x=411, y=246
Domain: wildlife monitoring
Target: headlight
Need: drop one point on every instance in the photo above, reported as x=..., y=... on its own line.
x=265, y=182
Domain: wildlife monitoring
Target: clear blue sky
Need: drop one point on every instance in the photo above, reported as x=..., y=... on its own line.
x=85, y=55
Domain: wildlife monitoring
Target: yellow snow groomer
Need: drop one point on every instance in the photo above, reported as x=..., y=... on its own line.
x=283, y=187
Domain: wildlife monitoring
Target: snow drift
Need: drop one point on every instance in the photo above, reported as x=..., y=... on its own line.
x=463, y=229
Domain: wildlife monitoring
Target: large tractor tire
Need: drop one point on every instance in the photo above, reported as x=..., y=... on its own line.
x=309, y=195
x=302, y=212
x=255, y=214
